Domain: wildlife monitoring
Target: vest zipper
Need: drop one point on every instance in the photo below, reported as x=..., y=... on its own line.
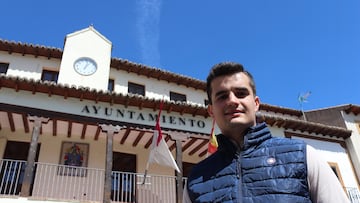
x=239, y=176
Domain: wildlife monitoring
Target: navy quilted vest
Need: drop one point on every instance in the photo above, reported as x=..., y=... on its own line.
x=267, y=170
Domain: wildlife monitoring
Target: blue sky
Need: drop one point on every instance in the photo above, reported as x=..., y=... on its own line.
x=290, y=46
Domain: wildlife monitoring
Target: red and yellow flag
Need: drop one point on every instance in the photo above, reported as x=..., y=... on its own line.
x=213, y=144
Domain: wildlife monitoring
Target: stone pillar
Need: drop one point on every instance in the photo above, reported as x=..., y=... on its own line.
x=179, y=138
x=110, y=131
x=179, y=176
x=30, y=164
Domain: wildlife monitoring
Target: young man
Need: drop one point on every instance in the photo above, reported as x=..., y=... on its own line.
x=250, y=165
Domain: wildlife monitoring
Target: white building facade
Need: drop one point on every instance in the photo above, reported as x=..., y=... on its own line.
x=76, y=125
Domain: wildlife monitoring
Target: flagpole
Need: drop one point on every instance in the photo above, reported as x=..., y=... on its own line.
x=153, y=141
x=302, y=110
x=145, y=173
x=154, y=138
x=150, y=155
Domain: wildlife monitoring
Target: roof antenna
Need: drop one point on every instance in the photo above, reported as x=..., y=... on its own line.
x=303, y=98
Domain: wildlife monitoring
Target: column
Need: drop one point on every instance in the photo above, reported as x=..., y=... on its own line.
x=30, y=164
x=110, y=131
x=179, y=138
x=179, y=176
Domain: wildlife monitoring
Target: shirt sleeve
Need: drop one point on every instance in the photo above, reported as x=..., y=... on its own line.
x=323, y=184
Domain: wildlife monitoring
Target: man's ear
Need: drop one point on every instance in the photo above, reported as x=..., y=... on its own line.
x=257, y=103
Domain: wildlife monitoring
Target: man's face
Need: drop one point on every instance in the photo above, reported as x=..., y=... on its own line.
x=233, y=103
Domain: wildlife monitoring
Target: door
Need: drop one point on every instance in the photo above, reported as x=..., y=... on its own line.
x=123, y=177
x=13, y=166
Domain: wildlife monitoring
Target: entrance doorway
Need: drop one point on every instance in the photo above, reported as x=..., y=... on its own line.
x=13, y=167
x=123, y=177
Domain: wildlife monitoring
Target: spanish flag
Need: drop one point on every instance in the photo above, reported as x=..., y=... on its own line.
x=213, y=144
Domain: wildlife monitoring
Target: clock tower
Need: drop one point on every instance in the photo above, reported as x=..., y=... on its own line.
x=86, y=60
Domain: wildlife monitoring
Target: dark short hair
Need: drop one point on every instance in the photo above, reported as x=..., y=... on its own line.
x=223, y=69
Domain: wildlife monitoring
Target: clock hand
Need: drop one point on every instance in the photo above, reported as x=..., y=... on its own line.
x=87, y=64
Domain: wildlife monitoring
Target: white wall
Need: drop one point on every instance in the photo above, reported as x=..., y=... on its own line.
x=334, y=152
x=155, y=88
x=28, y=66
x=86, y=43
x=351, y=122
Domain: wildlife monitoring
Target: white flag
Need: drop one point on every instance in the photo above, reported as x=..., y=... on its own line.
x=160, y=152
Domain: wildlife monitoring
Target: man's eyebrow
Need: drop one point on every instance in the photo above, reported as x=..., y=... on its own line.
x=221, y=92
x=240, y=89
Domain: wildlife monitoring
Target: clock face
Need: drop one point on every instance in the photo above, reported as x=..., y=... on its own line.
x=85, y=66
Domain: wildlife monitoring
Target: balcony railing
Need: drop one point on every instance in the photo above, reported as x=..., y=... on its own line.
x=132, y=187
x=11, y=174
x=353, y=194
x=67, y=183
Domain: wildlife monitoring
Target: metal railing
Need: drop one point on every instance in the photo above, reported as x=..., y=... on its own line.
x=353, y=194
x=62, y=182
x=69, y=183
x=11, y=176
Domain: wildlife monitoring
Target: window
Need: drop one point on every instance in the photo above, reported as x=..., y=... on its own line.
x=48, y=75
x=177, y=97
x=136, y=89
x=111, y=84
x=336, y=170
x=4, y=67
x=358, y=125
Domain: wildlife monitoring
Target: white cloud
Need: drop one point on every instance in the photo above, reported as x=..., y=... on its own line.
x=148, y=26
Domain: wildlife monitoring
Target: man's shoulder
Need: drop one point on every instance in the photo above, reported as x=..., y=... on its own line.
x=283, y=142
